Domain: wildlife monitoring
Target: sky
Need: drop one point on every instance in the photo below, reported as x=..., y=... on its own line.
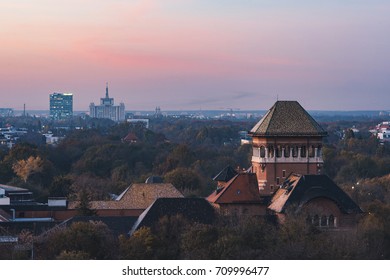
x=196, y=54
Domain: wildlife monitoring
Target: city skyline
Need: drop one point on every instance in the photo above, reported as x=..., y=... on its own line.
x=196, y=54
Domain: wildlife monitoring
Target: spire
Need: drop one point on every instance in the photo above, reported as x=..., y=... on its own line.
x=106, y=89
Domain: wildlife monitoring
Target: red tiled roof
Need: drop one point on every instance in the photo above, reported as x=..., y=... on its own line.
x=242, y=188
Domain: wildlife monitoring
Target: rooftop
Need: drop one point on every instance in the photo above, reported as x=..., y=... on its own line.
x=192, y=209
x=137, y=196
x=287, y=118
x=242, y=188
x=226, y=174
x=300, y=189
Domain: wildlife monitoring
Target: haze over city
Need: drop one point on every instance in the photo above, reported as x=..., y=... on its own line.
x=192, y=54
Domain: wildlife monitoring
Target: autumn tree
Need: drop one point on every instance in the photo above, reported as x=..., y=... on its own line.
x=25, y=168
x=140, y=246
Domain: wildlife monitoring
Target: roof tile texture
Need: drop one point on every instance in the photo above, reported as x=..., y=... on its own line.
x=137, y=196
x=287, y=118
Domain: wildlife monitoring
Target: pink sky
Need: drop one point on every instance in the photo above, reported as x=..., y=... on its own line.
x=193, y=54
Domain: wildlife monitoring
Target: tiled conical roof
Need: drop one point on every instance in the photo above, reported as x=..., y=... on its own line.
x=287, y=118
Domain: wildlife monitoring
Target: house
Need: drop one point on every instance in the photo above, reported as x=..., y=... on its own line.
x=117, y=225
x=317, y=196
x=239, y=196
x=130, y=138
x=14, y=195
x=192, y=209
x=134, y=200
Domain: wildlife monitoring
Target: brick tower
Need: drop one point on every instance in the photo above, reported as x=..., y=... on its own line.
x=287, y=139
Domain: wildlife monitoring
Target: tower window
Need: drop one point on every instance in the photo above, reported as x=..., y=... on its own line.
x=278, y=151
x=331, y=221
x=312, y=151
x=271, y=151
x=303, y=151
x=284, y=173
x=287, y=152
x=262, y=151
x=324, y=221
x=295, y=151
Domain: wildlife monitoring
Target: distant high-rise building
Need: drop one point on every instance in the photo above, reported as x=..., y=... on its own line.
x=61, y=105
x=6, y=112
x=107, y=109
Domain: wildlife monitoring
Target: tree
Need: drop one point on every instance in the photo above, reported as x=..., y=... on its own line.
x=86, y=240
x=25, y=168
x=140, y=246
x=183, y=179
x=60, y=186
x=84, y=206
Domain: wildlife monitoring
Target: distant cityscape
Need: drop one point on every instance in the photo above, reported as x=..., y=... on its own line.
x=60, y=107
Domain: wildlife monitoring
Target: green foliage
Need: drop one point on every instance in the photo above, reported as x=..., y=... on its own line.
x=89, y=240
x=183, y=179
x=140, y=246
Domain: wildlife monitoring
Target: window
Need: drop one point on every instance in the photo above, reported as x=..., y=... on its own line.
x=331, y=221
x=262, y=151
x=278, y=151
x=284, y=173
x=319, y=151
x=271, y=151
x=303, y=151
x=324, y=221
x=287, y=152
x=312, y=151
x=295, y=151
x=277, y=180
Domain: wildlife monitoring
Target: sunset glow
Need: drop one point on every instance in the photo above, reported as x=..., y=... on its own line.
x=193, y=54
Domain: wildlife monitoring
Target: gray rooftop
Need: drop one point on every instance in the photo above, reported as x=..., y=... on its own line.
x=287, y=118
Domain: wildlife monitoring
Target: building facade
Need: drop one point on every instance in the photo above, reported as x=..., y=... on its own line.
x=287, y=139
x=61, y=105
x=107, y=109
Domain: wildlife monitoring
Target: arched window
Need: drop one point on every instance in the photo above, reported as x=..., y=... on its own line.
x=312, y=151
x=331, y=221
x=303, y=151
x=287, y=151
x=295, y=151
x=324, y=221
x=278, y=151
x=319, y=151
x=262, y=151
x=271, y=151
